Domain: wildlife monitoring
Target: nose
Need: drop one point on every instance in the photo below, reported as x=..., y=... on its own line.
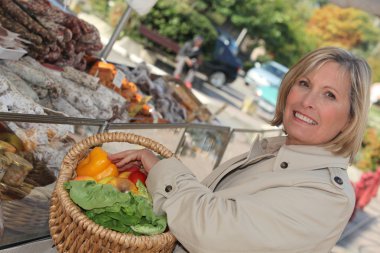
x=309, y=100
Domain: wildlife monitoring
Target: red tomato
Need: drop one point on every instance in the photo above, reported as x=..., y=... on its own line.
x=137, y=175
x=133, y=169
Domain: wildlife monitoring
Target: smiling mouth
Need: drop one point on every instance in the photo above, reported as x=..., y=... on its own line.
x=304, y=118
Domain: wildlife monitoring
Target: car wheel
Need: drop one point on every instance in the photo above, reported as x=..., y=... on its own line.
x=218, y=79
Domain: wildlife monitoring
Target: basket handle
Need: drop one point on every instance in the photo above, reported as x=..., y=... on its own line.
x=71, y=159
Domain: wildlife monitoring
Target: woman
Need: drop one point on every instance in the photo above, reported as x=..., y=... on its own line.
x=287, y=194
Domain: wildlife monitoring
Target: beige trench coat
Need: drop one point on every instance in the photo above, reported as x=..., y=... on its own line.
x=275, y=198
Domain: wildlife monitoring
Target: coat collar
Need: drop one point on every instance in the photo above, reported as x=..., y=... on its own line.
x=301, y=157
x=296, y=157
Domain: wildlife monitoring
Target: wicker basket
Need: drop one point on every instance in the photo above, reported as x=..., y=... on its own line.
x=70, y=228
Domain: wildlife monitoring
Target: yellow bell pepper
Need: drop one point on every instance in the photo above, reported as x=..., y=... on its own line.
x=96, y=165
x=110, y=171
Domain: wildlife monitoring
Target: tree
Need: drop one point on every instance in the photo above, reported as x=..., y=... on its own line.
x=179, y=21
x=344, y=27
x=279, y=23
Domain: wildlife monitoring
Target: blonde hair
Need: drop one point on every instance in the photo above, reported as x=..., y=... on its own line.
x=348, y=142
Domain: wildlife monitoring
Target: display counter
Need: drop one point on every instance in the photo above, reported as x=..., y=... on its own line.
x=25, y=207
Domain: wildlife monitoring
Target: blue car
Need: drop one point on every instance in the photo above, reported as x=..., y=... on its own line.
x=225, y=64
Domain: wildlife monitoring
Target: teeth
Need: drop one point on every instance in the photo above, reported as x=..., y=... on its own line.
x=304, y=118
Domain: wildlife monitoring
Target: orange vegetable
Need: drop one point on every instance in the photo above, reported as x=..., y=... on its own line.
x=110, y=170
x=94, y=164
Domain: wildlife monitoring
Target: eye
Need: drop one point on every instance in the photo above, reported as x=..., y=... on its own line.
x=330, y=95
x=303, y=83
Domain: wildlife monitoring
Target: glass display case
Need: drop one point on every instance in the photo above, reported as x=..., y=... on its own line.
x=43, y=140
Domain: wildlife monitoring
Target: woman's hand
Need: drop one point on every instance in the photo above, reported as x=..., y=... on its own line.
x=128, y=158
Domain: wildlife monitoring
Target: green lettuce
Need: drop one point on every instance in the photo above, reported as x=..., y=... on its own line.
x=122, y=212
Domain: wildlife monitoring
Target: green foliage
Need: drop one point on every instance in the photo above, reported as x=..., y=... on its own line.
x=277, y=22
x=374, y=117
x=374, y=62
x=368, y=158
x=116, y=12
x=369, y=155
x=99, y=7
x=181, y=21
x=344, y=27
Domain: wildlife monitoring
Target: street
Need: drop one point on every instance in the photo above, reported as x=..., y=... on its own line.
x=231, y=97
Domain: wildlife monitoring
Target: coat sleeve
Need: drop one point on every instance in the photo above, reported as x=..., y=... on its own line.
x=272, y=220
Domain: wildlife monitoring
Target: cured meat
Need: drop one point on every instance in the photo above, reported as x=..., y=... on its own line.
x=58, y=37
x=81, y=78
x=16, y=27
x=14, y=101
x=19, y=84
x=4, y=84
x=62, y=105
x=32, y=75
x=23, y=18
x=43, y=8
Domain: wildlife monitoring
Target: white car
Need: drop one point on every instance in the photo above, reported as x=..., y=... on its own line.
x=265, y=80
x=267, y=74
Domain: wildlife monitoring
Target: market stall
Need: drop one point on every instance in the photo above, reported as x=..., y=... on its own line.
x=55, y=91
x=49, y=68
x=200, y=146
x=74, y=82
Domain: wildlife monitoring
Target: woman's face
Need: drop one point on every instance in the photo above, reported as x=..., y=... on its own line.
x=318, y=105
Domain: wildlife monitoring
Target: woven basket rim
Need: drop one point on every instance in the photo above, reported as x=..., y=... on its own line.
x=67, y=169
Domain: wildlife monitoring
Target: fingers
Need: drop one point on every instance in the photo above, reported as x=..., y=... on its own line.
x=124, y=158
x=128, y=158
x=129, y=165
x=117, y=156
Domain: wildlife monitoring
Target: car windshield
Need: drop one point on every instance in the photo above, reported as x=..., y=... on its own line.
x=272, y=69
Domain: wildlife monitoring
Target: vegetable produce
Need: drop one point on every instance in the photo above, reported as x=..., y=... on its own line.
x=137, y=175
x=84, y=178
x=123, y=212
x=122, y=184
x=97, y=165
x=134, y=174
x=110, y=170
x=132, y=169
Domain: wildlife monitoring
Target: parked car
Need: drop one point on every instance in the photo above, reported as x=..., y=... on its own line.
x=224, y=66
x=266, y=99
x=269, y=73
x=266, y=80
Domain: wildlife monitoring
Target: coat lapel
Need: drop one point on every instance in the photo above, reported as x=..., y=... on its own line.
x=226, y=166
x=255, y=154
